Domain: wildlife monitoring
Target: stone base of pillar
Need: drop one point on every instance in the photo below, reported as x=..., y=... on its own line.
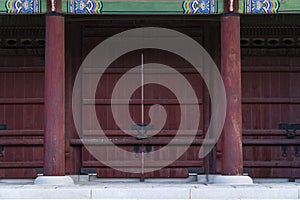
x=53, y=180
x=233, y=180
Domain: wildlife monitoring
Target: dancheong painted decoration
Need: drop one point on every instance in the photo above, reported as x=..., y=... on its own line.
x=199, y=6
x=85, y=6
x=261, y=6
x=150, y=6
x=22, y=6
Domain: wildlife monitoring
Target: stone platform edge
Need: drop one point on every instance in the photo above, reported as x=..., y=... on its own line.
x=150, y=191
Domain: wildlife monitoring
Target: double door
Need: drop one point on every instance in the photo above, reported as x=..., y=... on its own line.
x=138, y=137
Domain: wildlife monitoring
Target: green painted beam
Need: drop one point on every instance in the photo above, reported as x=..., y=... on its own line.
x=175, y=6
x=289, y=6
x=161, y=6
x=146, y=6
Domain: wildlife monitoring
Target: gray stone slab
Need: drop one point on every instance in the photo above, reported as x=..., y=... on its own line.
x=53, y=180
x=142, y=193
x=255, y=192
x=45, y=193
x=232, y=180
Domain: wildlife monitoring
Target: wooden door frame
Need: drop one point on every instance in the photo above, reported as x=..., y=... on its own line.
x=74, y=58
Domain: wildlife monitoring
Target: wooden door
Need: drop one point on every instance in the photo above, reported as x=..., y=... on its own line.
x=153, y=94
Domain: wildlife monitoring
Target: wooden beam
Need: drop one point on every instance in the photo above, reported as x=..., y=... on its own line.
x=137, y=164
x=21, y=164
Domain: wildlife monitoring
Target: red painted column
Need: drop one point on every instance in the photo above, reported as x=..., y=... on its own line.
x=232, y=157
x=54, y=145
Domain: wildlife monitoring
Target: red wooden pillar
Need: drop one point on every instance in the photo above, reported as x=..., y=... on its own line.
x=232, y=158
x=54, y=145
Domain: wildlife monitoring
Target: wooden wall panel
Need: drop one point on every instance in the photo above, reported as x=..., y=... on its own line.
x=270, y=96
x=21, y=109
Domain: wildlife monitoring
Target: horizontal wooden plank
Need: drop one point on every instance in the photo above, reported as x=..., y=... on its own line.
x=21, y=100
x=137, y=164
x=102, y=29
x=265, y=132
x=22, y=132
x=21, y=142
x=272, y=164
x=35, y=69
x=270, y=142
x=34, y=164
x=162, y=173
x=133, y=141
x=246, y=100
x=138, y=101
x=121, y=133
x=270, y=69
x=122, y=70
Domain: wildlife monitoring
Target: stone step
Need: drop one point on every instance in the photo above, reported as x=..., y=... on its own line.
x=93, y=190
